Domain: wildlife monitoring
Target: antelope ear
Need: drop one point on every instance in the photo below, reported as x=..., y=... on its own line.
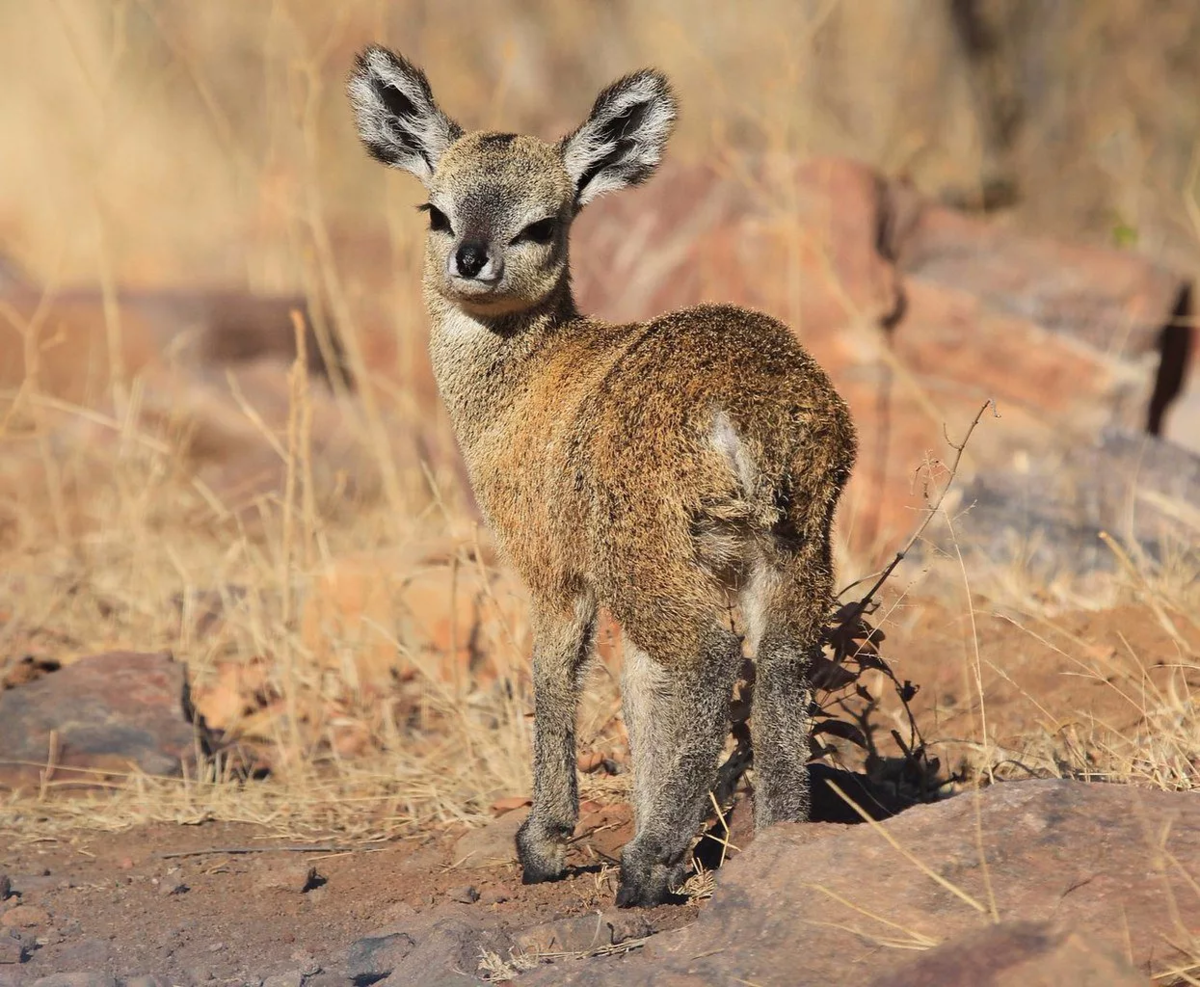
x=623, y=140
x=398, y=120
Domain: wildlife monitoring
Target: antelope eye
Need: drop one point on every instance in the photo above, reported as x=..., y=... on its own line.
x=437, y=219
x=540, y=232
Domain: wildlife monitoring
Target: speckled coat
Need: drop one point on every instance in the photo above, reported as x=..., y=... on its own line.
x=664, y=470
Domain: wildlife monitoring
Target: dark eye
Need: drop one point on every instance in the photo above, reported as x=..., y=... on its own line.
x=540, y=232
x=437, y=219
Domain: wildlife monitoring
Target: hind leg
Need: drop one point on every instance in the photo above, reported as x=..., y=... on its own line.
x=562, y=645
x=786, y=606
x=677, y=714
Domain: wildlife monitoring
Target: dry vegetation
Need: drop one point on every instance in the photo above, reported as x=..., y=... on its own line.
x=151, y=143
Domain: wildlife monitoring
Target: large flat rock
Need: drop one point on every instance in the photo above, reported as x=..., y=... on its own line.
x=1114, y=864
x=1015, y=954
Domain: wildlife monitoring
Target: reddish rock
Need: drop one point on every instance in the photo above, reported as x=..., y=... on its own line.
x=73, y=352
x=1016, y=954
x=25, y=917
x=491, y=845
x=198, y=328
x=919, y=314
x=295, y=876
x=12, y=950
x=801, y=231
x=951, y=335
x=509, y=803
x=1113, y=301
x=77, y=979
x=218, y=420
x=234, y=691
x=583, y=933
x=442, y=946
x=589, y=761
x=801, y=908
x=428, y=611
x=108, y=714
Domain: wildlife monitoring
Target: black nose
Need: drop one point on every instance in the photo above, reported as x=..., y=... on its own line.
x=471, y=257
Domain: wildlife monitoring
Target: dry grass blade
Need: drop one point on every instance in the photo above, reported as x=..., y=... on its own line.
x=916, y=938
x=920, y=865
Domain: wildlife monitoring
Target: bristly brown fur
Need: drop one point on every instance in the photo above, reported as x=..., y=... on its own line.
x=661, y=469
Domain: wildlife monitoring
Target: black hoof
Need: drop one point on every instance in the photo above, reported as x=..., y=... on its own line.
x=532, y=874
x=541, y=859
x=631, y=896
x=646, y=884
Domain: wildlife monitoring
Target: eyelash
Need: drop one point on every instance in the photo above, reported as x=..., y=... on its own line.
x=438, y=222
x=540, y=232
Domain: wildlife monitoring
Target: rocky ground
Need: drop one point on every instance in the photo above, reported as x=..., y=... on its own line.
x=1027, y=882
x=220, y=903
x=1058, y=880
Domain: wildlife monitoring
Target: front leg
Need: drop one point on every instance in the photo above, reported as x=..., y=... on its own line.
x=562, y=644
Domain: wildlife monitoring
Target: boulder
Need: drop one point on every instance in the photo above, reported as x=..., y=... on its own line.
x=1051, y=511
x=197, y=328
x=1113, y=301
x=100, y=715
x=491, y=845
x=445, y=945
x=438, y=610
x=1110, y=862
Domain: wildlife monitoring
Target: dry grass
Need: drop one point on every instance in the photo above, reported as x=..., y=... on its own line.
x=210, y=143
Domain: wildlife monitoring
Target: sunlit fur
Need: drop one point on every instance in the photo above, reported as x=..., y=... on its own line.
x=663, y=470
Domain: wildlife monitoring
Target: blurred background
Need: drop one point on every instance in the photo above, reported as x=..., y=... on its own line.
x=208, y=147
x=162, y=141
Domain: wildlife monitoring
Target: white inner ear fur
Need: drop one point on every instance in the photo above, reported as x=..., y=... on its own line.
x=588, y=147
x=428, y=129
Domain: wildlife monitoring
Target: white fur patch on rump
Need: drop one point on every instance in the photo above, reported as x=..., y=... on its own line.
x=729, y=444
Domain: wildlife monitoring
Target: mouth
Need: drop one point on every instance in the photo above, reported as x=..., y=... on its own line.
x=481, y=297
x=473, y=287
x=477, y=295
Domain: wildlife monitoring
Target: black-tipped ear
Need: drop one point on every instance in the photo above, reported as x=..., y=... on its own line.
x=398, y=120
x=622, y=141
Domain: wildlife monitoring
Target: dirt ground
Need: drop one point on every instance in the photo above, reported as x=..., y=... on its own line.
x=218, y=902
x=227, y=903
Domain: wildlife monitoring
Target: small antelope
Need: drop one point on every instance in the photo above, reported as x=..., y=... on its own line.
x=664, y=470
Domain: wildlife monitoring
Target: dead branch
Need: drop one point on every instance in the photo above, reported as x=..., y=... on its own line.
x=887, y=570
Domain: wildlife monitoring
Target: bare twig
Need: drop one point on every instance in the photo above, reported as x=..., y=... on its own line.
x=852, y=650
x=237, y=850
x=861, y=607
